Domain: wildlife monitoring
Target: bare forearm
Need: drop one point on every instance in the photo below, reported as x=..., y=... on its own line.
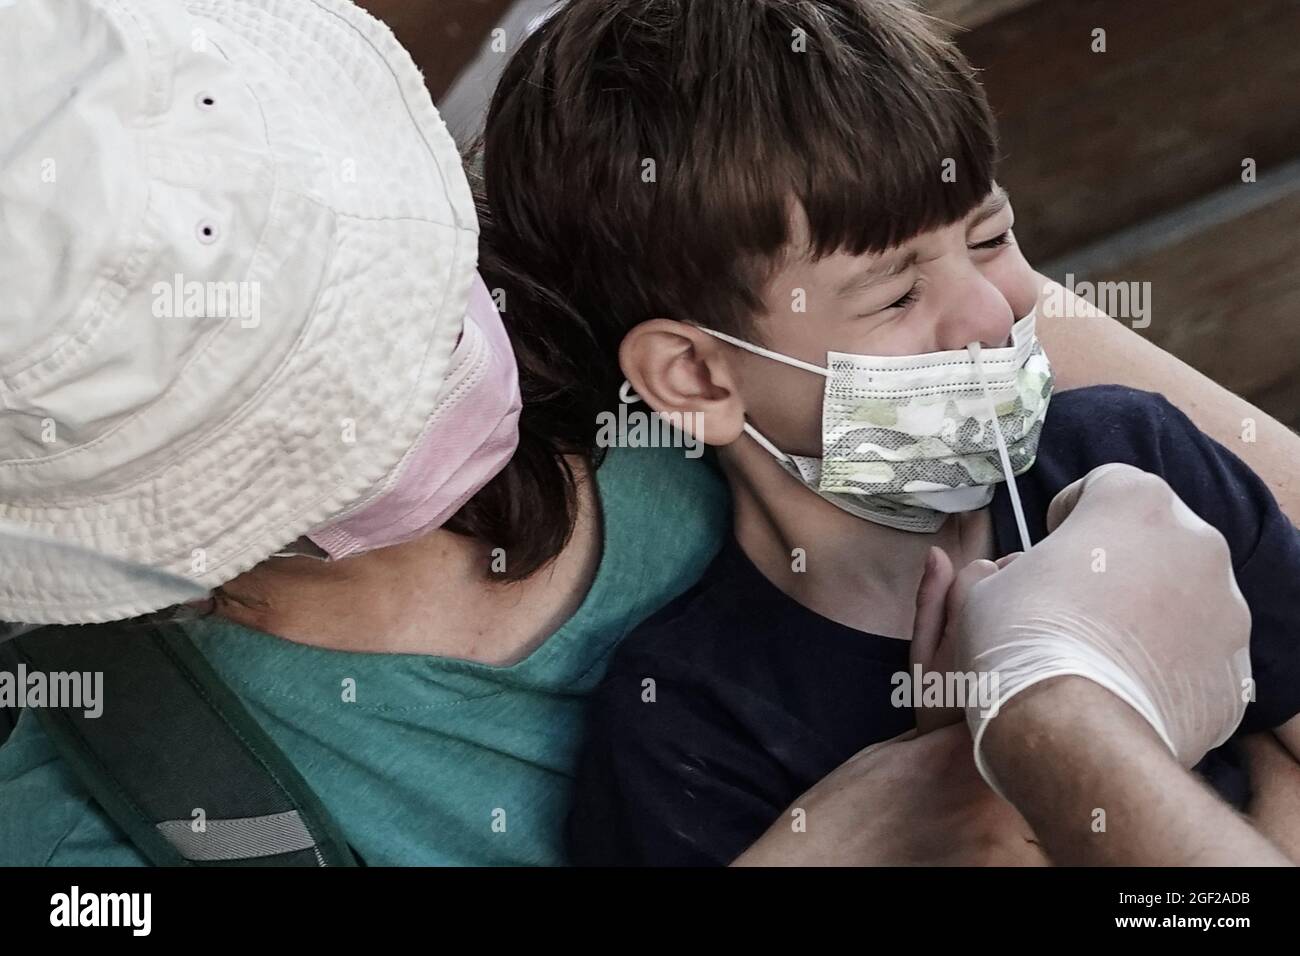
x=1089, y=348
x=1100, y=788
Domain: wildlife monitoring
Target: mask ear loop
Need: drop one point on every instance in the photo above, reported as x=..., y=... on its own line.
x=768, y=353
x=629, y=397
x=974, y=350
x=750, y=430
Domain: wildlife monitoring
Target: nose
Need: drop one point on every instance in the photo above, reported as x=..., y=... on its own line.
x=978, y=313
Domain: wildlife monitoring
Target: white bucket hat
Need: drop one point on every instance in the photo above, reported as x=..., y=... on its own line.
x=236, y=248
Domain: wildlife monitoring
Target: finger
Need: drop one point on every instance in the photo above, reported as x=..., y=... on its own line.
x=1006, y=559
x=927, y=627
x=971, y=575
x=930, y=719
x=928, y=630
x=867, y=751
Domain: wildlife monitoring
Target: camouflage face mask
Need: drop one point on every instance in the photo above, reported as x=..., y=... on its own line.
x=909, y=439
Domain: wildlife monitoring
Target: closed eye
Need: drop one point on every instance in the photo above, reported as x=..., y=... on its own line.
x=912, y=295
x=996, y=241
x=905, y=300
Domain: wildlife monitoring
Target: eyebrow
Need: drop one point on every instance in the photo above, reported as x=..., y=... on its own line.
x=888, y=268
x=994, y=205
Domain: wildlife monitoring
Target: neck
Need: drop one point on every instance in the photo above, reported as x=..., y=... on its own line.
x=845, y=568
x=437, y=594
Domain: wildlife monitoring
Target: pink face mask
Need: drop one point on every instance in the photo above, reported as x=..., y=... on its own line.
x=466, y=442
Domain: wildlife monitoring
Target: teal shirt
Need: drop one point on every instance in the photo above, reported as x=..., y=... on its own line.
x=438, y=761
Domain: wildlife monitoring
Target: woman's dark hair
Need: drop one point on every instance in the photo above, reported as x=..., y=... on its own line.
x=640, y=159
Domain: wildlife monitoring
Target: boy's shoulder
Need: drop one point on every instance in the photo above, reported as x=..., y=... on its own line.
x=726, y=600
x=1101, y=424
x=738, y=634
x=1089, y=427
x=1112, y=415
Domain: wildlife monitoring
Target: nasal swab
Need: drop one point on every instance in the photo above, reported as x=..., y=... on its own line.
x=974, y=350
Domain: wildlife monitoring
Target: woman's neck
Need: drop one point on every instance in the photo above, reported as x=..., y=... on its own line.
x=437, y=594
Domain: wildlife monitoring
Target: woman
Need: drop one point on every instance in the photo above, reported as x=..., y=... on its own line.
x=430, y=686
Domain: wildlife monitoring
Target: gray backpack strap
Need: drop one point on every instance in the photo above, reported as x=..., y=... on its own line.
x=174, y=757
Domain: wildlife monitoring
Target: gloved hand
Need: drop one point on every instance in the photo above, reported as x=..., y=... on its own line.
x=1130, y=589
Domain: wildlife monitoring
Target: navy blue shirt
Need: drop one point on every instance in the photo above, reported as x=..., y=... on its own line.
x=757, y=697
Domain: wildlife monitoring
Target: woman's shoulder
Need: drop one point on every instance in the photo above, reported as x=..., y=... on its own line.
x=672, y=474
x=662, y=510
x=47, y=818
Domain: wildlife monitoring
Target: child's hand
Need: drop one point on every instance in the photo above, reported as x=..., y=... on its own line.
x=1275, y=791
x=941, y=594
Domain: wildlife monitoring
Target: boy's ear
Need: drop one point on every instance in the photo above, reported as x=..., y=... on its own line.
x=675, y=367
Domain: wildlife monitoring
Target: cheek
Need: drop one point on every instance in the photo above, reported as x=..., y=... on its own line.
x=899, y=337
x=785, y=404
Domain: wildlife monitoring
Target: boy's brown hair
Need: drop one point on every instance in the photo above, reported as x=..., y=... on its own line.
x=639, y=160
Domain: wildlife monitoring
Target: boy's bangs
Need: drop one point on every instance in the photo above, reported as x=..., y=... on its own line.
x=862, y=196
x=876, y=147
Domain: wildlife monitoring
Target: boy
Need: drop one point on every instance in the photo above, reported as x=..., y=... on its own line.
x=790, y=233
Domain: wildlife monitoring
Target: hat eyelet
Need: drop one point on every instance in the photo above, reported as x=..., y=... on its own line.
x=205, y=100
x=206, y=230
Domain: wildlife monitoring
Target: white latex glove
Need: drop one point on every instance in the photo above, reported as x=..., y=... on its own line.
x=1131, y=590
